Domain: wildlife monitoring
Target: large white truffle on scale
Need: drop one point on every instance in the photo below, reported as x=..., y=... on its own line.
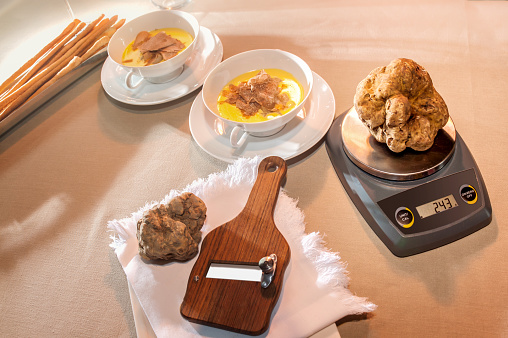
x=400, y=106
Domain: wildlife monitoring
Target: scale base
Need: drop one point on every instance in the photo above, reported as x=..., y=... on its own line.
x=370, y=195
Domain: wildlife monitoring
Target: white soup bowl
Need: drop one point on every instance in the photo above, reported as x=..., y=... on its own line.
x=248, y=61
x=161, y=72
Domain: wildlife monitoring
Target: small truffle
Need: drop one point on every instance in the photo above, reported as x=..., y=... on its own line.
x=172, y=231
x=400, y=106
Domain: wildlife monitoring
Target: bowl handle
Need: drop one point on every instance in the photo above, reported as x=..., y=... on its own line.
x=236, y=140
x=129, y=83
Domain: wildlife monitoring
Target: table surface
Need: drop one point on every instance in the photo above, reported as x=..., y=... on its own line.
x=83, y=159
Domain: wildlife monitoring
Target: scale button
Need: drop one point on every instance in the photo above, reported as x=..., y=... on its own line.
x=404, y=217
x=468, y=194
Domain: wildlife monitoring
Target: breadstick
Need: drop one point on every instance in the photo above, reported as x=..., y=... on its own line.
x=112, y=30
x=96, y=32
x=40, y=63
x=23, y=93
x=89, y=27
x=89, y=40
x=38, y=80
x=76, y=61
x=119, y=24
x=58, y=60
x=57, y=64
x=109, y=32
x=97, y=46
x=43, y=51
x=4, y=113
x=9, y=86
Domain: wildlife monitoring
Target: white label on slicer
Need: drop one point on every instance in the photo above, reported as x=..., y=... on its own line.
x=250, y=273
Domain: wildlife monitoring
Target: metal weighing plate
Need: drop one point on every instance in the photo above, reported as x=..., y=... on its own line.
x=377, y=159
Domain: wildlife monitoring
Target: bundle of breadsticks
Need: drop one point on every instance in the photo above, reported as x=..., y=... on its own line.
x=77, y=42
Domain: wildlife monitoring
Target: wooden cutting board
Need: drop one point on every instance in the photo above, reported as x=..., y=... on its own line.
x=235, y=305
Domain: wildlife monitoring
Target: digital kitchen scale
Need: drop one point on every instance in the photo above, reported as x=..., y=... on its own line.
x=414, y=201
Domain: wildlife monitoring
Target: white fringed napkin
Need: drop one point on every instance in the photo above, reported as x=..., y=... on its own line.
x=314, y=294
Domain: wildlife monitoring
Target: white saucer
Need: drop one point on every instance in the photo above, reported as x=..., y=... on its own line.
x=299, y=135
x=207, y=55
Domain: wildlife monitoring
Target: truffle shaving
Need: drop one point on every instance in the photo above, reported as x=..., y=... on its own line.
x=261, y=92
x=157, y=48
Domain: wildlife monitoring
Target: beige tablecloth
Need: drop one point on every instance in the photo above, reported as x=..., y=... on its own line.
x=83, y=159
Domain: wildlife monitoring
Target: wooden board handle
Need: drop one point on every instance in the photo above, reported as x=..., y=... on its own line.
x=236, y=305
x=263, y=196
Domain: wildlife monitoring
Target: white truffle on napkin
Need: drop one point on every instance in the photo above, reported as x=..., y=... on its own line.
x=172, y=231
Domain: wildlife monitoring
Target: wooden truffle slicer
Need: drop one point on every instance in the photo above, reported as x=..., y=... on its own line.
x=251, y=239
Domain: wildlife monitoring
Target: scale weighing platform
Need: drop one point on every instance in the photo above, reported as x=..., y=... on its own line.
x=414, y=201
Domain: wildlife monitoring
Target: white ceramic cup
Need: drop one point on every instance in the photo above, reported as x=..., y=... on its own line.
x=245, y=62
x=161, y=72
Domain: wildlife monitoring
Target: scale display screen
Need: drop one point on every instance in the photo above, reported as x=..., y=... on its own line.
x=436, y=206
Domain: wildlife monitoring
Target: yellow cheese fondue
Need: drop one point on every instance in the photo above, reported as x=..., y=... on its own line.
x=133, y=58
x=288, y=85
